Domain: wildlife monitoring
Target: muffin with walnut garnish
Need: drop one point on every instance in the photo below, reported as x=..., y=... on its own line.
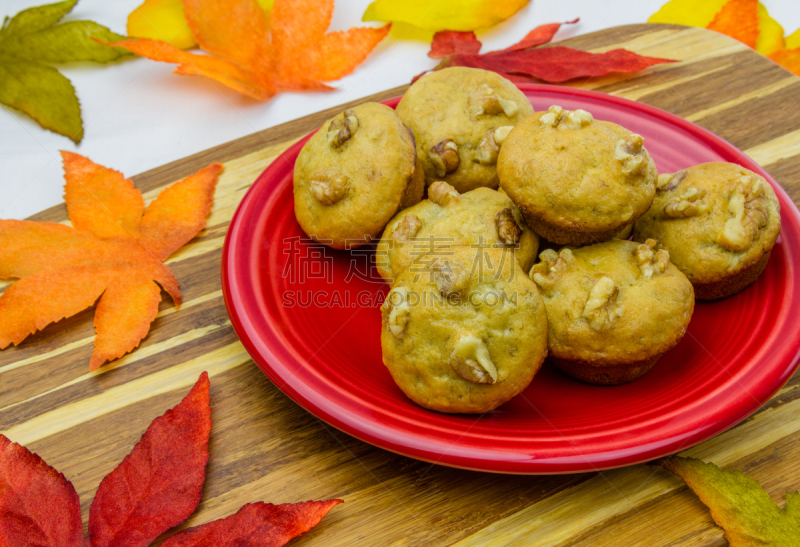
x=354, y=174
x=479, y=218
x=614, y=308
x=719, y=222
x=577, y=180
x=464, y=332
x=460, y=117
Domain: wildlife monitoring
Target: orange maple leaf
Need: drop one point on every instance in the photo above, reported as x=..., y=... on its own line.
x=738, y=19
x=113, y=251
x=788, y=59
x=258, y=57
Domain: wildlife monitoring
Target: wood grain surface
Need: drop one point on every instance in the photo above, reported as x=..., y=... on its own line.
x=265, y=447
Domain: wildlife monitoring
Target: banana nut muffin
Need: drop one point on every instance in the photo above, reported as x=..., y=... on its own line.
x=719, y=222
x=354, y=174
x=479, y=218
x=614, y=308
x=464, y=336
x=577, y=180
x=460, y=117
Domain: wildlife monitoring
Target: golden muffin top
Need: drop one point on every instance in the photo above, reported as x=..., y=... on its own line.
x=614, y=302
x=354, y=174
x=575, y=172
x=460, y=117
x=715, y=219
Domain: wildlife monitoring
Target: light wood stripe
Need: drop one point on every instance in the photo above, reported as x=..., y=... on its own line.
x=636, y=93
x=553, y=521
x=138, y=355
x=137, y=391
x=687, y=45
x=90, y=340
x=785, y=146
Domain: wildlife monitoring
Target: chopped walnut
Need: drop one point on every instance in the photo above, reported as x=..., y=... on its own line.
x=601, y=307
x=341, y=130
x=488, y=149
x=471, y=360
x=328, y=186
x=546, y=272
x=631, y=154
x=407, y=228
x=449, y=281
x=397, y=304
x=668, y=182
x=501, y=133
x=651, y=261
x=747, y=206
x=442, y=193
x=484, y=100
x=688, y=204
x=445, y=157
x=507, y=228
x=566, y=119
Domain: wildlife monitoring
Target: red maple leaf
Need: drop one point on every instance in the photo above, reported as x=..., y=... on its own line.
x=155, y=488
x=522, y=63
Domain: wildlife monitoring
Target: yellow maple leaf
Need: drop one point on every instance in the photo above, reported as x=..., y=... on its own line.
x=165, y=20
x=462, y=15
x=701, y=14
x=737, y=18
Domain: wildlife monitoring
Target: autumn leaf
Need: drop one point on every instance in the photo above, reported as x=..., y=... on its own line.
x=256, y=525
x=445, y=14
x=159, y=484
x=165, y=20
x=745, y=20
x=113, y=252
x=38, y=506
x=155, y=488
x=738, y=19
x=260, y=58
x=521, y=62
x=161, y=20
x=30, y=43
x=739, y=505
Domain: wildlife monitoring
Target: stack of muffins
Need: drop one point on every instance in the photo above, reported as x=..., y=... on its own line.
x=470, y=317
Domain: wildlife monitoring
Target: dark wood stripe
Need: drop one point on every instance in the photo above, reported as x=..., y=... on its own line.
x=787, y=172
x=759, y=120
x=23, y=383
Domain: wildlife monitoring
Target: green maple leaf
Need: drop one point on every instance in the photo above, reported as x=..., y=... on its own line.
x=740, y=506
x=30, y=42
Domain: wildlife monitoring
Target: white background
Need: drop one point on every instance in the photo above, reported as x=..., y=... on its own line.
x=137, y=115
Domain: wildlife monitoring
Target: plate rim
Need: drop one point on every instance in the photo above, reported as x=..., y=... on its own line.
x=345, y=420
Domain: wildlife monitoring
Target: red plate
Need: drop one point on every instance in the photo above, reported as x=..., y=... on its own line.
x=309, y=317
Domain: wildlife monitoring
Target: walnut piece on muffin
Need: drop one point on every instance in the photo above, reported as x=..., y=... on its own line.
x=354, y=174
x=479, y=218
x=577, y=180
x=719, y=222
x=460, y=117
x=614, y=308
x=464, y=332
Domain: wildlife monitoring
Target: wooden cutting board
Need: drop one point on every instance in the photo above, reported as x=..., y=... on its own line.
x=265, y=447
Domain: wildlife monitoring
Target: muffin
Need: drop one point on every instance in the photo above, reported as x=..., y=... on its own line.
x=354, y=174
x=480, y=218
x=614, y=308
x=719, y=222
x=466, y=335
x=460, y=116
x=577, y=180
